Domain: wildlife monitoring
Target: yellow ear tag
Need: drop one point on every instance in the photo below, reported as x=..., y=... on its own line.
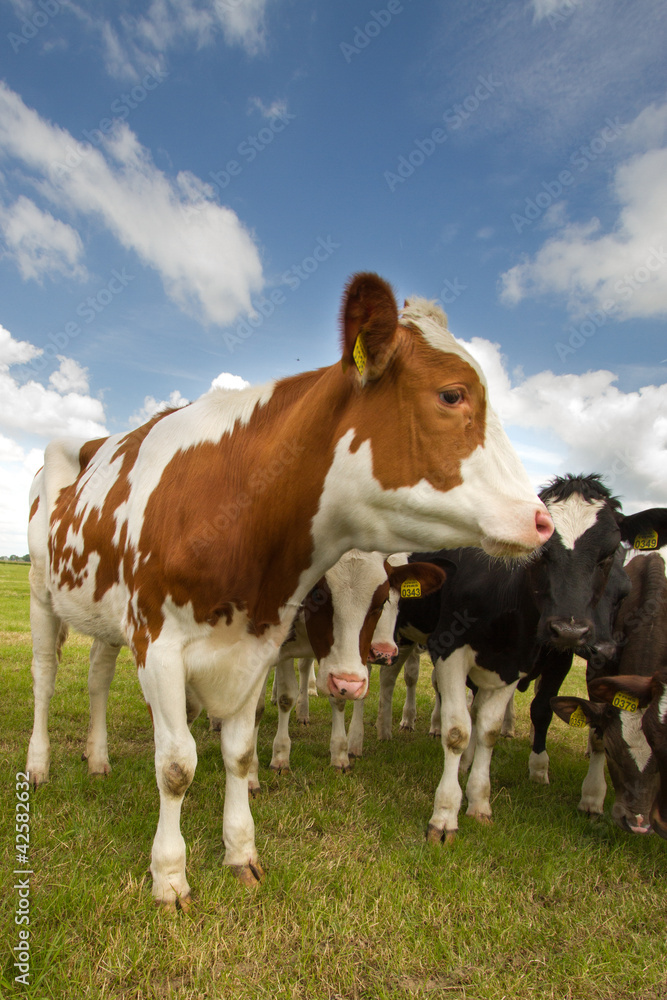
x=626, y=702
x=411, y=588
x=647, y=541
x=359, y=355
x=578, y=719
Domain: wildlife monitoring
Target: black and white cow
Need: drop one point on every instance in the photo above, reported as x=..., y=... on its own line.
x=493, y=624
x=627, y=708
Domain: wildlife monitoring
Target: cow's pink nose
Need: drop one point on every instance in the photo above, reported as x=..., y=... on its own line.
x=544, y=525
x=346, y=687
x=383, y=652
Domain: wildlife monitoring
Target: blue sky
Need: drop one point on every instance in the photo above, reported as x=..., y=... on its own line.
x=185, y=188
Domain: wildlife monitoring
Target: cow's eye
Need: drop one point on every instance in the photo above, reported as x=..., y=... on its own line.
x=451, y=397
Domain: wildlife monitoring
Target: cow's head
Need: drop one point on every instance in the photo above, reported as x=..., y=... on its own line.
x=420, y=438
x=617, y=713
x=343, y=611
x=570, y=573
x=650, y=696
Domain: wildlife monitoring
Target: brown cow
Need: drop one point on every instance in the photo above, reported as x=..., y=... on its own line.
x=195, y=538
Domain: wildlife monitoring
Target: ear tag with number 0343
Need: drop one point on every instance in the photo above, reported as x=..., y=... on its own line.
x=647, y=541
x=578, y=719
x=359, y=355
x=411, y=588
x=626, y=702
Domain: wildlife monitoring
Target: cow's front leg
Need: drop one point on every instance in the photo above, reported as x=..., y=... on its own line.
x=490, y=705
x=163, y=683
x=100, y=675
x=355, y=733
x=411, y=675
x=388, y=675
x=286, y=696
x=338, y=743
x=555, y=665
x=307, y=687
x=254, y=786
x=450, y=677
x=594, y=787
x=237, y=742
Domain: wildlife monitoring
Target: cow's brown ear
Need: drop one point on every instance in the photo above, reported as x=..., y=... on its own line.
x=422, y=578
x=581, y=713
x=369, y=321
x=606, y=689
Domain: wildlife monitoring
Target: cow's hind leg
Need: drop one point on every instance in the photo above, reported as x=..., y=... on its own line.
x=48, y=636
x=388, y=675
x=163, y=684
x=490, y=706
x=450, y=675
x=237, y=741
x=100, y=675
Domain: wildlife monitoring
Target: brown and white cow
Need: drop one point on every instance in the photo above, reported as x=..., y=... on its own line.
x=195, y=538
x=347, y=620
x=626, y=712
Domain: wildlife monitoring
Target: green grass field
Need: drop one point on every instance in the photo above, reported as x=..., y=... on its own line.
x=544, y=903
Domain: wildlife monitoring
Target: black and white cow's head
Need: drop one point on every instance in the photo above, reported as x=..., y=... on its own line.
x=571, y=570
x=633, y=767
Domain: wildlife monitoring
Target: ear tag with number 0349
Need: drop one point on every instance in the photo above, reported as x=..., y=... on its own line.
x=411, y=588
x=359, y=355
x=578, y=719
x=647, y=541
x=626, y=702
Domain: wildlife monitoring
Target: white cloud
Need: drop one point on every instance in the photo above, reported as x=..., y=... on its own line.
x=596, y=426
x=152, y=406
x=40, y=244
x=37, y=413
x=623, y=271
x=549, y=8
x=227, y=381
x=15, y=352
x=139, y=39
x=70, y=376
x=207, y=260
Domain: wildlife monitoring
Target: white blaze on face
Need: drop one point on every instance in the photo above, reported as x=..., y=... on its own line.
x=573, y=517
x=634, y=739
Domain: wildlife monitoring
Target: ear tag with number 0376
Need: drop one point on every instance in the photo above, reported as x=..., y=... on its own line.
x=359, y=355
x=647, y=541
x=626, y=702
x=411, y=588
x=578, y=719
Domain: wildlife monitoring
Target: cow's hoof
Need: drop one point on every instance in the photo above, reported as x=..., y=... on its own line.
x=279, y=768
x=482, y=818
x=303, y=722
x=405, y=727
x=183, y=903
x=436, y=836
x=254, y=790
x=342, y=768
x=249, y=875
